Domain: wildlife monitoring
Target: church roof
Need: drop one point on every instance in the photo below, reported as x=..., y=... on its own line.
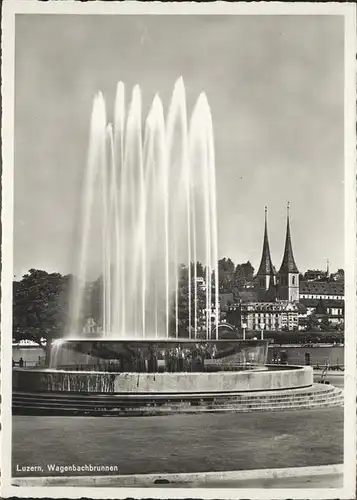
x=288, y=264
x=266, y=266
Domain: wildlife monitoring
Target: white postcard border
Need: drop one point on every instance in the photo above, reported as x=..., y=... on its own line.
x=10, y=8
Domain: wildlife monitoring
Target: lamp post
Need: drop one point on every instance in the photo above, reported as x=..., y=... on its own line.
x=262, y=326
x=244, y=326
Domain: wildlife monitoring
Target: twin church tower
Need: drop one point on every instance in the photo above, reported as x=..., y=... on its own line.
x=282, y=285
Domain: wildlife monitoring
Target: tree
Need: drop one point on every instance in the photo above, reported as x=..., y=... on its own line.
x=244, y=274
x=339, y=277
x=226, y=275
x=200, y=270
x=312, y=323
x=325, y=325
x=226, y=265
x=248, y=271
x=41, y=307
x=239, y=278
x=183, y=305
x=95, y=306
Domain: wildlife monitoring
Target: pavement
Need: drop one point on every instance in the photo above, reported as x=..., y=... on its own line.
x=335, y=378
x=202, y=450
x=330, y=476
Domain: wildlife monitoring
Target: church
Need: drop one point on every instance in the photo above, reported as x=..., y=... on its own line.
x=274, y=302
x=283, y=285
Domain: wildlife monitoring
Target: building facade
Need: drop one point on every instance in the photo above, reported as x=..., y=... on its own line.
x=270, y=316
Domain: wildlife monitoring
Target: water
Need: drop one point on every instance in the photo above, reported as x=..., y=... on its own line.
x=296, y=355
x=318, y=355
x=153, y=184
x=30, y=355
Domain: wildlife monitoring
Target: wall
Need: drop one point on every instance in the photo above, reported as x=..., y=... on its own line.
x=88, y=382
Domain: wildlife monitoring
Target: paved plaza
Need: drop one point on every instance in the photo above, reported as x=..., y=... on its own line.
x=181, y=443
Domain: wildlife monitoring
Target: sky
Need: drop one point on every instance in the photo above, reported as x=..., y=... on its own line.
x=275, y=88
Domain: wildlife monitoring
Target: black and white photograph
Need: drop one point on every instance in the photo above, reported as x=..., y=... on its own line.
x=178, y=253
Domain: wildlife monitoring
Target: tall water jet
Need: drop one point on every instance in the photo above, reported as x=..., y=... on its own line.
x=149, y=201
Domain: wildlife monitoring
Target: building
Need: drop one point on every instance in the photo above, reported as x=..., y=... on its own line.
x=314, y=274
x=331, y=310
x=274, y=302
x=324, y=299
x=280, y=301
x=270, y=316
x=200, y=283
x=328, y=290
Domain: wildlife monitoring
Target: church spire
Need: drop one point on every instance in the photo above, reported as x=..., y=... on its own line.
x=288, y=264
x=266, y=267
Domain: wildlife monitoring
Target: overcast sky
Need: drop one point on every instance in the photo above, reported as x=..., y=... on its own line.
x=275, y=87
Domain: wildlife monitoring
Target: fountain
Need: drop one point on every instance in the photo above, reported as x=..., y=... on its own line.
x=149, y=201
x=155, y=193
x=149, y=205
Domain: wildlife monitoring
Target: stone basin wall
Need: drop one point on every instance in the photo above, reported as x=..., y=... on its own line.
x=287, y=377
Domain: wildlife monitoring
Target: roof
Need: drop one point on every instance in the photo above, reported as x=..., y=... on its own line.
x=330, y=303
x=266, y=266
x=301, y=307
x=247, y=295
x=312, y=274
x=279, y=305
x=321, y=288
x=288, y=264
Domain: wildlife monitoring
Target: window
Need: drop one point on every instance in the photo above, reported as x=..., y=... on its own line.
x=293, y=280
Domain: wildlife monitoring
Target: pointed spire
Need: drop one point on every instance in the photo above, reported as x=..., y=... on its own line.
x=288, y=264
x=266, y=267
x=328, y=268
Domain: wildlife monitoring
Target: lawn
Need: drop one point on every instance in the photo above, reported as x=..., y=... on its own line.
x=181, y=443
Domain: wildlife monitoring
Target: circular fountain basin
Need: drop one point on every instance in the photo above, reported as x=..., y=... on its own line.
x=274, y=378
x=156, y=366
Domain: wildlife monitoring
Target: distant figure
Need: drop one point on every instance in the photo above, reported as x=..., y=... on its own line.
x=283, y=357
x=21, y=363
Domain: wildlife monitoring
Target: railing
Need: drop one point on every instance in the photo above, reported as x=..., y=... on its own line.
x=30, y=363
